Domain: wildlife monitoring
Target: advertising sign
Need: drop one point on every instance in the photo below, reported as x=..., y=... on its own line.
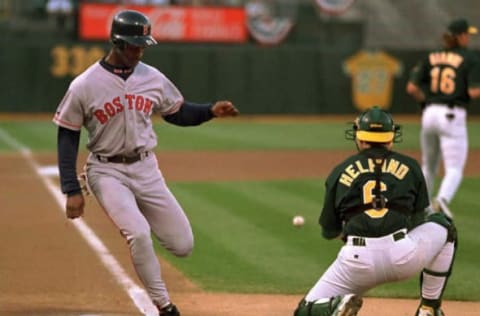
x=169, y=23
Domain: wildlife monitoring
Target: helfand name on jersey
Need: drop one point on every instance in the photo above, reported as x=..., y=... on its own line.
x=391, y=166
x=445, y=58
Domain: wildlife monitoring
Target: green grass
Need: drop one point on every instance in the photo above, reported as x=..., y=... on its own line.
x=244, y=240
x=245, y=229
x=267, y=136
x=231, y=135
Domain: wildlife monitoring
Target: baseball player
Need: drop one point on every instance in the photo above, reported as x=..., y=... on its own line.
x=114, y=100
x=444, y=82
x=375, y=202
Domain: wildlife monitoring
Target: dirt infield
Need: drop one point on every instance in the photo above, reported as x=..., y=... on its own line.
x=46, y=268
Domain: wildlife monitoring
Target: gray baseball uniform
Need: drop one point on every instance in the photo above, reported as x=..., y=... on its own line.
x=114, y=100
x=116, y=114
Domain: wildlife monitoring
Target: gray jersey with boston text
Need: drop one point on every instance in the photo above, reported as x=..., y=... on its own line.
x=117, y=112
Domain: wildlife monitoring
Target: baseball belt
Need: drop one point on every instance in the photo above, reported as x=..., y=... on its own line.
x=123, y=158
x=362, y=242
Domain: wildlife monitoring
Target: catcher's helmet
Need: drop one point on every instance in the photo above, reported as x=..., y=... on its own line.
x=132, y=27
x=375, y=126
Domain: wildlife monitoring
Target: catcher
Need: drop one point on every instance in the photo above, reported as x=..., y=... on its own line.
x=375, y=202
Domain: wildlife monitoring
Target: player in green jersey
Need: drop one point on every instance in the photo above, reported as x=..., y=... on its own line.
x=375, y=202
x=444, y=82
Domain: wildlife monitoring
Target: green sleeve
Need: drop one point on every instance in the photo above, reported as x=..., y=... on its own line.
x=419, y=74
x=422, y=201
x=329, y=218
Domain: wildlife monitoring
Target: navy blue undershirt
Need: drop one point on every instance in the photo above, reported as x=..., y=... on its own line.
x=189, y=114
x=67, y=144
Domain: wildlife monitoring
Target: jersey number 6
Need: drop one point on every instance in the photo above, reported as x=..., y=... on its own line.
x=368, y=198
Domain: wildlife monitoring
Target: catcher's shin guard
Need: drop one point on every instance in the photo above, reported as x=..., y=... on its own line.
x=434, y=278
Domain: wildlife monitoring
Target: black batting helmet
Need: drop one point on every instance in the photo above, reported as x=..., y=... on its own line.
x=133, y=28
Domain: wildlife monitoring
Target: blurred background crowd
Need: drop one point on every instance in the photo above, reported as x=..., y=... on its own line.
x=403, y=24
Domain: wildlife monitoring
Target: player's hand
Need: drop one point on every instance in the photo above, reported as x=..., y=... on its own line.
x=75, y=205
x=224, y=108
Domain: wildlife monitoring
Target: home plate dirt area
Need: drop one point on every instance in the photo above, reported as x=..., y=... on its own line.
x=48, y=268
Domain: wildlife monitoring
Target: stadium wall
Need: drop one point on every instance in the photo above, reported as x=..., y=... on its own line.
x=304, y=75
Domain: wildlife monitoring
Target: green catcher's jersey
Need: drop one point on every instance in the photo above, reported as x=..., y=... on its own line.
x=446, y=75
x=351, y=185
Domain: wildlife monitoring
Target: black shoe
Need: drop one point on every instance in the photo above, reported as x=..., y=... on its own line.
x=169, y=310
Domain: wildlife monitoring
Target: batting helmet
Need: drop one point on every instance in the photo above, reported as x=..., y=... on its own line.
x=375, y=126
x=133, y=28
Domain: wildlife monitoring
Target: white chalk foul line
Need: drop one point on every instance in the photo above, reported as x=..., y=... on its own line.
x=138, y=295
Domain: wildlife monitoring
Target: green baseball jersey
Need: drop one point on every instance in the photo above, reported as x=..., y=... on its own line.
x=352, y=184
x=446, y=75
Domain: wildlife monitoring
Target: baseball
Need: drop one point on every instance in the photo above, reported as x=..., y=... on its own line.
x=298, y=221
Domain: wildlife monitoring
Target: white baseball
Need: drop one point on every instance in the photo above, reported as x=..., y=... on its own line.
x=298, y=221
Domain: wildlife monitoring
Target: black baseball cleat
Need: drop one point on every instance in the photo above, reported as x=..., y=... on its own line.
x=169, y=310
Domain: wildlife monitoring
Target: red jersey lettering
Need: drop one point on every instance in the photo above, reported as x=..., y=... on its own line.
x=109, y=109
x=139, y=100
x=101, y=117
x=118, y=104
x=130, y=98
x=148, y=106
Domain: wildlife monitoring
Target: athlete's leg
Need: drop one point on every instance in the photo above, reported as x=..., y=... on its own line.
x=162, y=211
x=430, y=147
x=454, y=146
x=339, y=289
x=119, y=203
x=438, y=241
x=351, y=272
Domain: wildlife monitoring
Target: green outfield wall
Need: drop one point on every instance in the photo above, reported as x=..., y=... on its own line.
x=311, y=72
x=290, y=79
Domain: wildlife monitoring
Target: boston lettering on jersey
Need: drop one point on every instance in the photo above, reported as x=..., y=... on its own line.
x=445, y=58
x=134, y=102
x=392, y=166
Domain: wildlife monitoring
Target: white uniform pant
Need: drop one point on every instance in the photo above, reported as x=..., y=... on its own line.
x=137, y=199
x=382, y=260
x=441, y=137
